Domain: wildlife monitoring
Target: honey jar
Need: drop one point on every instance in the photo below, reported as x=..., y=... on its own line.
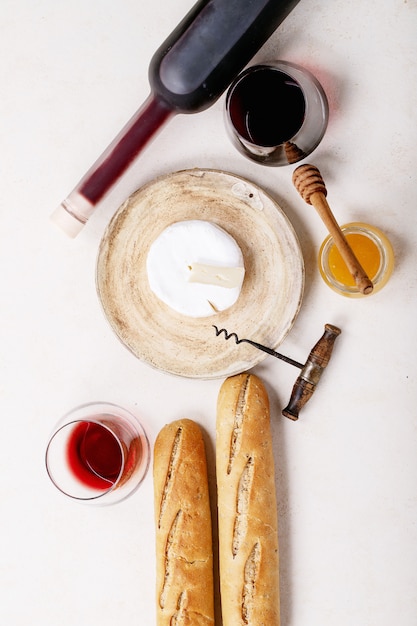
x=373, y=251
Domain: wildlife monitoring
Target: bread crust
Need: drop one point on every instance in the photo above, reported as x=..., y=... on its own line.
x=247, y=507
x=184, y=546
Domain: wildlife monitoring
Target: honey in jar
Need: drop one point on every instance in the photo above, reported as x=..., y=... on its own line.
x=373, y=251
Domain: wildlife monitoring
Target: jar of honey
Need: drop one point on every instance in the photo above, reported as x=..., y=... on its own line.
x=373, y=251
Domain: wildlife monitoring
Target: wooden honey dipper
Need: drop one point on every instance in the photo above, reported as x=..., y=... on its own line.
x=310, y=185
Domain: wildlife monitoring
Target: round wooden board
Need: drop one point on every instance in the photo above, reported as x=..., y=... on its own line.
x=271, y=293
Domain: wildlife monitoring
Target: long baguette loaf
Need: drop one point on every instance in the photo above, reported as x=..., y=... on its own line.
x=184, y=546
x=247, y=508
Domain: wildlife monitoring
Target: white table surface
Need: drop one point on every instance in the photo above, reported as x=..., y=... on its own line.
x=72, y=73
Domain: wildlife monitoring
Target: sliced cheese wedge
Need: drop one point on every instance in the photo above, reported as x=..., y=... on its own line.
x=229, y=277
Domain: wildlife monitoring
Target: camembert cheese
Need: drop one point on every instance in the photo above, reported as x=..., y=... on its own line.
x=196, y=268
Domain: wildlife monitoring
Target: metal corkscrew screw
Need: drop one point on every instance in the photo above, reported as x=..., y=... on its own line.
x=311, y=370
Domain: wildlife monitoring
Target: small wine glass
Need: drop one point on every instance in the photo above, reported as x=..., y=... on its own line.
x=276, y=113
x=98, y=453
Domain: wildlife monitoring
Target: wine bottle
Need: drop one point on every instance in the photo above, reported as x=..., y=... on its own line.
x=187, y=74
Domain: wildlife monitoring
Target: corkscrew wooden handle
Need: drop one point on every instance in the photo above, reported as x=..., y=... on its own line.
x=310, y=185
x=310, y=375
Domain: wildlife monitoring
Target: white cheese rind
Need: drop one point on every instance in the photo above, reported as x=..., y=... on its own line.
x=188, y=244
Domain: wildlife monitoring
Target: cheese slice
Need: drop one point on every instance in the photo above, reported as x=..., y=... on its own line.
x=228, y=277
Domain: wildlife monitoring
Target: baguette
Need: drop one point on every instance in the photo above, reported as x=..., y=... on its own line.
x=247, y=507
x=184, y=546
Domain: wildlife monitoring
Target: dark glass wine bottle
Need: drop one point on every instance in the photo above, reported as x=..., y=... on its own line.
x=187, y=74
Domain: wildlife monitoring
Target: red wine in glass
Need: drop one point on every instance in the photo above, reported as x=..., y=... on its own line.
x=94, y=455
x=267, y=108
x=98, y=453
x=276, y=113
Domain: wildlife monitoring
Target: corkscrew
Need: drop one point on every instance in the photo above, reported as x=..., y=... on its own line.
x=311, y=370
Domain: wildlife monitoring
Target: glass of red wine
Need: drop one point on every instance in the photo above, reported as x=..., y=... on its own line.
x=98, y=453
x=276, y=113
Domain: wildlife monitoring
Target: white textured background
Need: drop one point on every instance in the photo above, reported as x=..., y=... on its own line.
x=71, y=74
